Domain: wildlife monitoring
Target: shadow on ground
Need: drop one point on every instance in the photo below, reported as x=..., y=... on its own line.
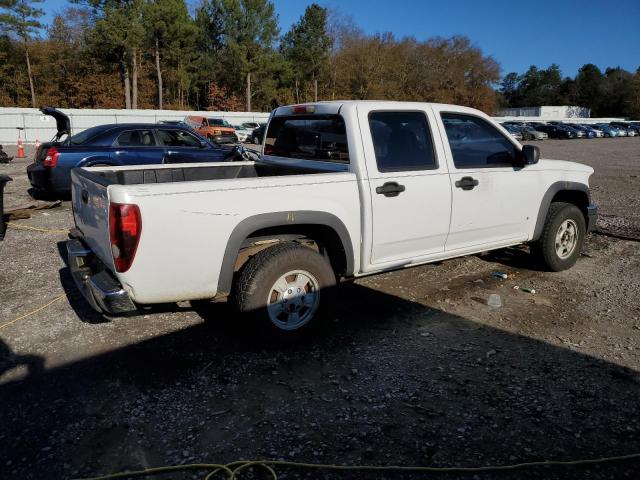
x=387, y=381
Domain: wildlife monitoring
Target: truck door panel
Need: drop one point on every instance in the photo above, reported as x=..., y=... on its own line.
x=409, y=185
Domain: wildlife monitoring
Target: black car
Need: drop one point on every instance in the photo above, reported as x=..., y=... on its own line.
x=115, y=144
x=258, y=134
x=556, y=131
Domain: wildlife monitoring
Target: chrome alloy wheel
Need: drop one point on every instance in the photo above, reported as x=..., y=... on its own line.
x=293, y=300
x=566, y=238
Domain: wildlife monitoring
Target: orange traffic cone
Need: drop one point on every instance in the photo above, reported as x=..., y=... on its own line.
x=20, y=149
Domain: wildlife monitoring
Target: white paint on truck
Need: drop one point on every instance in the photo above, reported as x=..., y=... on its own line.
x=445, y=208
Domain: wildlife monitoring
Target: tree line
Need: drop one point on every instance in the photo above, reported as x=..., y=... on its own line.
x=225, y=55
x=231, y=55
x=612, y=93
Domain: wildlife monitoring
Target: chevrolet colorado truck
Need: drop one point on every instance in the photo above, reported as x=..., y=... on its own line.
x=341, y=190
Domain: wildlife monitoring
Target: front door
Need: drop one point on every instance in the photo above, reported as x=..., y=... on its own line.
x=490, y=206
x=409, y=185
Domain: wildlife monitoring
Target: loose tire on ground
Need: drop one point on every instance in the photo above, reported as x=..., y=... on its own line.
x=562, y=237
x=285, y=289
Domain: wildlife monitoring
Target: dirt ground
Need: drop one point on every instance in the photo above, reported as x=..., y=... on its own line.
x=413, y=368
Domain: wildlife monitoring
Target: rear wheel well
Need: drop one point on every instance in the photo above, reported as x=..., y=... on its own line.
x=322, y=238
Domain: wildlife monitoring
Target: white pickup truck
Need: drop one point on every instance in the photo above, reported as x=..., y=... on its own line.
x=342, y=189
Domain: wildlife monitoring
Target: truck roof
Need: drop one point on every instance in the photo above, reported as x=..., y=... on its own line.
x=329, y=107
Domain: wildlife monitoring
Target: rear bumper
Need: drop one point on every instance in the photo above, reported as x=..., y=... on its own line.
x=592, y=217
x=51, y=180
x=99, y=288
x=38, y=176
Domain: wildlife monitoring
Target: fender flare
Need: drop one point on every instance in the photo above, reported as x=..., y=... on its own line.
x=548, y=196
x=279, y=219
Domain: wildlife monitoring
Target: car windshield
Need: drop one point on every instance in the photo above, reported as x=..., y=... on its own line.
x=86, y=135
x=218, y=122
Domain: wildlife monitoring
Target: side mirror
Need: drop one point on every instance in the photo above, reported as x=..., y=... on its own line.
x=530, y=155
x=203, y=144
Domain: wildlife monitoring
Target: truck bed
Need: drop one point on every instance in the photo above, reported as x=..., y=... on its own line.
x=192, y=173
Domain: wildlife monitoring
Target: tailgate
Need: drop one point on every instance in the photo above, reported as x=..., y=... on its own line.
x=90, y=200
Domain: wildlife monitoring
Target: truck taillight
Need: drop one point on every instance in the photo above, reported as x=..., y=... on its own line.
x=125, y=226
x=304, y=109
x=51, y=160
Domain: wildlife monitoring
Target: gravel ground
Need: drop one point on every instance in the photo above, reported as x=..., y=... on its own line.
x=412, y=368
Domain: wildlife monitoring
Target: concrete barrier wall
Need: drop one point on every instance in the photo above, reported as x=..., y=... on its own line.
x=42, y=127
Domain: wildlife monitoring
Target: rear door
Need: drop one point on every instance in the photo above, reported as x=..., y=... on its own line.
x=137, y=147
x=408, y=183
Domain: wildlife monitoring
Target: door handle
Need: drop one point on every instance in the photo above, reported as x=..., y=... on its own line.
x=467, y=183
x=390, y=189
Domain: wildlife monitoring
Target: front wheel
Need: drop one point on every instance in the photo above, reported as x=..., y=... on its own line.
x=562, y=237
x=283, y=289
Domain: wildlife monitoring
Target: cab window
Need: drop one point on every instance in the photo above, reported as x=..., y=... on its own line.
x=177, y=138
x=308, y=137
x=136, y=138
x=402, y=141
x=476, y=143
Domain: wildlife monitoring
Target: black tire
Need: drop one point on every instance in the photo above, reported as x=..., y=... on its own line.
x=256, y=285
x=256, y=141
x=547, y=250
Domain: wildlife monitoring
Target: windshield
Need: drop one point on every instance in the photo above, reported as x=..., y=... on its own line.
x=218, y=122
x=84, y=136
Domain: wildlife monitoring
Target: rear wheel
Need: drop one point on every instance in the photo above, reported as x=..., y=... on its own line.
x=283, y=289
x=562, y=237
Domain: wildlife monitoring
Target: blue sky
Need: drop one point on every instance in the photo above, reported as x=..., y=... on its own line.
x=516, y=33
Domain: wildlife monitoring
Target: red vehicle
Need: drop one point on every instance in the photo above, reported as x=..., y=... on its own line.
x=217, y=130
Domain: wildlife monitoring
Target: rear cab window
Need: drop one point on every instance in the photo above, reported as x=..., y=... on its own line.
x=321, y=138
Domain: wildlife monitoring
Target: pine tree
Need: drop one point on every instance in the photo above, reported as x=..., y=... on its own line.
x=170, y=33
x=20, y=18
x=307, y=46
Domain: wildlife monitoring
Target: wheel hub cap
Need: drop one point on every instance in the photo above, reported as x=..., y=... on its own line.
x=566, y=238
x=293, y=300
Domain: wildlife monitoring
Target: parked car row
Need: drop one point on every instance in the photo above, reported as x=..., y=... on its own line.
x=554, y=129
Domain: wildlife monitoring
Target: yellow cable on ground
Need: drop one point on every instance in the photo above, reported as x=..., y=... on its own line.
x=231, y=470
x=39, y=309
x=35, y=229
